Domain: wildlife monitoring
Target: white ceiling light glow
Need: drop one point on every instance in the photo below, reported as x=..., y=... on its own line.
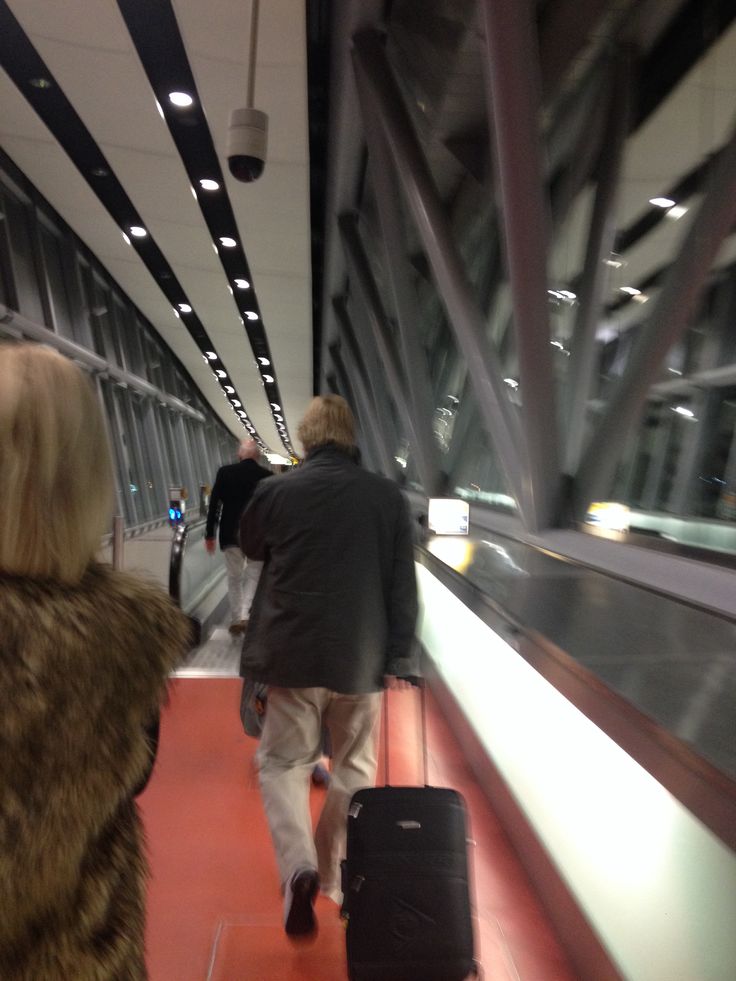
x=631, y=290
x=263, y=361
x=138, y=231
x=229, y=243
x=242, y=284
x=185, y=308
x=661, y=202
x=209, y=185
x=181, y=99
x=251, y=315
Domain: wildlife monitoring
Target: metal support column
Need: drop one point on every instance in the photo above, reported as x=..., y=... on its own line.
x=682, y=288
x=360, y=385
x=600, y=242
x=386, y=110
x=514, y=103
x=384, y=344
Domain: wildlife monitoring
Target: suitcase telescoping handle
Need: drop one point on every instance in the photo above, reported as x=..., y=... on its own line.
x=416, y=683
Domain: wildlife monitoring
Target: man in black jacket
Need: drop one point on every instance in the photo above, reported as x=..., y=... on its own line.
x=332, y=624
x=234, y=486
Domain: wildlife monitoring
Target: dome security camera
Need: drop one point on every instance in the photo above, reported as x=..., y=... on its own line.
x=247, y=138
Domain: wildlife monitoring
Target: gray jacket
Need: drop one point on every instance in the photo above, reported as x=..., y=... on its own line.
x=336, y=604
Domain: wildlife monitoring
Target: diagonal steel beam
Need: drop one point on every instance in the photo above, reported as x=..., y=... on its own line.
x=386, y=110
x=361, y=387
x=384, y=344
x=514, y=102
x=681, y=290
x=404, y=298
x=600, y=242
x=365, y=421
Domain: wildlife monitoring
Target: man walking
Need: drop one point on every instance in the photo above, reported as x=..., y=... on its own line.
x=234, y=486
x=332, y=625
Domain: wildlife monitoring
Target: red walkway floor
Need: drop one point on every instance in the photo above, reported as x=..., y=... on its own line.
x=214, y=908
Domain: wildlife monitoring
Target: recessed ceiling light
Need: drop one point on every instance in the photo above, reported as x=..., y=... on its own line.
x=211, y=355
x=176, y=313
x=236, y=403
x=181, y=99
x=229, y=389
x=41, y=83
x=677, y=212
x=126, y=238
x=242, y=284
x=268, y=379
x=251, y=315
x=661, y=202
x=631, y=290
x=185, y=308
x=160, y=109
x=275, y=406
x=209, y=185
x=229, y=243
x=263, y=361
x=138, y=231
x=681, y=410
x=100, y=172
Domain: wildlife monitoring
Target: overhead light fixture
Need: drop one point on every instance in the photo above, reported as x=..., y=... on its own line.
x=631, y=290
x=568, y=295
x=176, y=313
x=615, y=262
x=181, y=99
x=126, y=238
x=677, y=212
x=268, y=379
x=209, y=185
x=229, y=389
x=229, y=243
x=211, y=355
x=252, y=315
x=511, y=382
x=100, y=172
x=263, y=361
x=675, y=371
x=138, y=231
x=220, y=373
x=185, y=308
x=41, y=83
x=661, y=202
x=242, y=284
x=681, y=410
x=236, y=403
x=275, y=406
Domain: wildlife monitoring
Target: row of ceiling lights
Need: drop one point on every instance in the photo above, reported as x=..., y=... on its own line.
x=139, y=233
x=183, y=100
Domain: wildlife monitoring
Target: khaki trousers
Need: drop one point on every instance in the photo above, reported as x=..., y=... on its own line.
x=242, y=580
x=290, y=746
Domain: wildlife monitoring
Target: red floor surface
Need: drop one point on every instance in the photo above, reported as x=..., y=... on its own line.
x=214, y=906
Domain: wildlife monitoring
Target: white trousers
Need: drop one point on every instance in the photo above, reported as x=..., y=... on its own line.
x=290, y=746
x=242, y=579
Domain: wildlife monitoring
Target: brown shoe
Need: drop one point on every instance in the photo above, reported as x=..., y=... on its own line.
x=236, y=628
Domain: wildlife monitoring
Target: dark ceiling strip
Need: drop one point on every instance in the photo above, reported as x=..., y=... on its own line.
x=31, y=75
x=155, y=33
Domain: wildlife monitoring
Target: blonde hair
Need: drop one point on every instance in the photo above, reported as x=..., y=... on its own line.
x=56, y=484
x=328, y=419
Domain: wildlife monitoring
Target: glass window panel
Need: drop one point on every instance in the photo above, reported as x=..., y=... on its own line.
x=25, y=270
x=59, y=283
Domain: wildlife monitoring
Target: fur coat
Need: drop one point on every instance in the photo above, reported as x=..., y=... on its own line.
x=82, y=669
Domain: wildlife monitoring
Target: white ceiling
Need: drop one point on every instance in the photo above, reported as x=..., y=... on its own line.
x=88, y=50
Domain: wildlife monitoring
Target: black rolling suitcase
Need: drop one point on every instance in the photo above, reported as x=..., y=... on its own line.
x=406, y=897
